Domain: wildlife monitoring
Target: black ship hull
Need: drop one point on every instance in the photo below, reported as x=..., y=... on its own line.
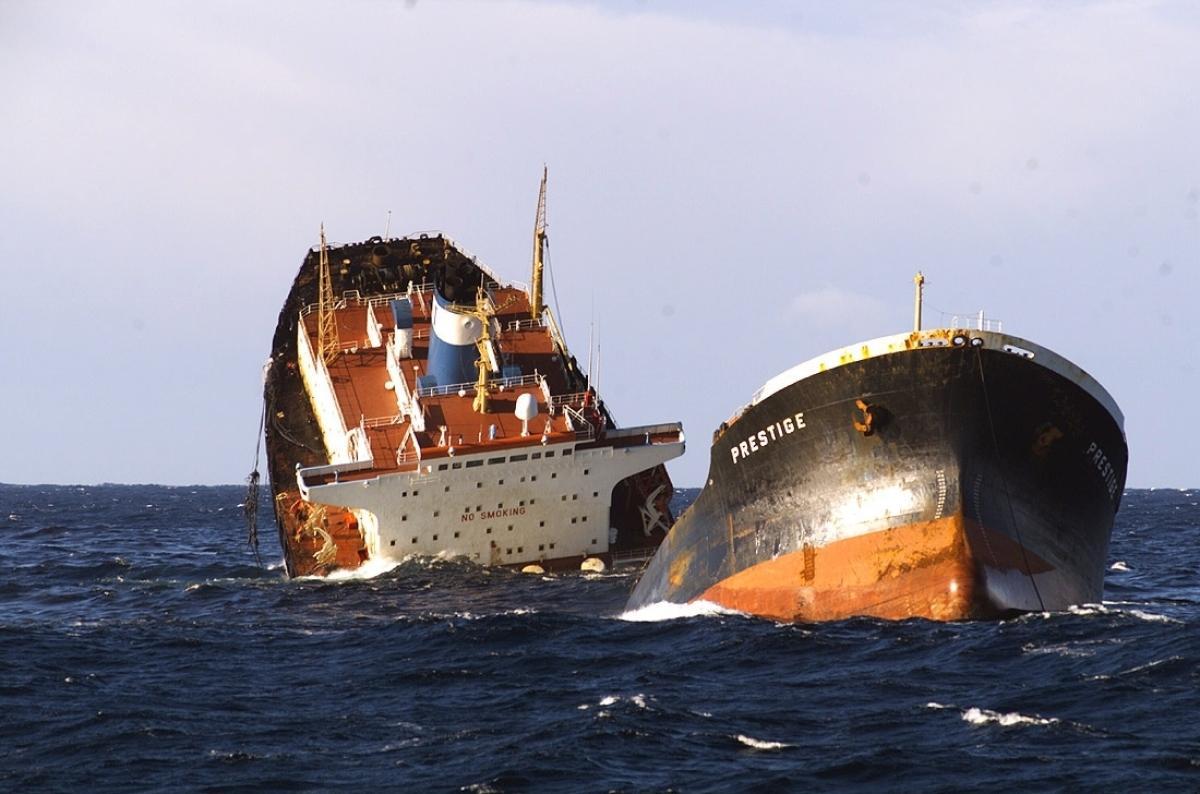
x=960, y=476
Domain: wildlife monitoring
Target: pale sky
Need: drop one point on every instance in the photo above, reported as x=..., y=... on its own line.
x=734, y=188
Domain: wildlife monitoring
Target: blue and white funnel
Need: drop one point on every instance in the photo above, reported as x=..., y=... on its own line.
x=452, y=350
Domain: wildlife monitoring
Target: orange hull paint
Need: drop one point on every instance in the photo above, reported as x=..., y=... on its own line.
x=925, y=570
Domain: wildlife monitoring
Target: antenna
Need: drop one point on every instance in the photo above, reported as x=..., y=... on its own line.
x=387, y=227
x=918, y=299
x=539, y=246
x=327, y=333
x=591, y=342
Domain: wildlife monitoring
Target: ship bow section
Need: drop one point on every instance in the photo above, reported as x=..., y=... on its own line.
x=949, y=482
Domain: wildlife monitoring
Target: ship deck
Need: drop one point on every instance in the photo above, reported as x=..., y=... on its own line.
x=368, y=399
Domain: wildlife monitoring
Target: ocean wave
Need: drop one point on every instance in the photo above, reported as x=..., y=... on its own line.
x=668, y=610
x=368, y=570
x=760, y=744
x=978, y=716
x=1102, y=609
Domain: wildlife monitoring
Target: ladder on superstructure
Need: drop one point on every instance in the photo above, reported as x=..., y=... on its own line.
x=328, y=344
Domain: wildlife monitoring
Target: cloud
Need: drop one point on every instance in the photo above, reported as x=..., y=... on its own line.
x=830, y=305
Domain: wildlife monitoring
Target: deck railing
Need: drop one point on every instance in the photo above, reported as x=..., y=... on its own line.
x=500, y=383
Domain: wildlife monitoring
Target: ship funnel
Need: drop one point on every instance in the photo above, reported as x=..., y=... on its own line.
x=526, y=410
x=378, y=254
x=452, y=346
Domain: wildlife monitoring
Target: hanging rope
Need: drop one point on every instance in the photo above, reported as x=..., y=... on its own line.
x=250, y=506
x=554, y=290
x=1004, y=482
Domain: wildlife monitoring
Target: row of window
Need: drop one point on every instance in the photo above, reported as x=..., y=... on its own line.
x=510, y=528
x=471, y=464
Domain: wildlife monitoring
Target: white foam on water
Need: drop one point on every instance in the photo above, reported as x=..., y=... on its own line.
x=759, y=744
x=1150, y=617
x=368, y=570
x=1062, y=649
x=932, y=705
x=668, y=610
x=639, y=700
x=608, y=700
x=467, y=615
x=1102, y=609
x=1119, y=565
x=978, y=716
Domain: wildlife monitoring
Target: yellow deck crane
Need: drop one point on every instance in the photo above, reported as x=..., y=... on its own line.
x=539, y=249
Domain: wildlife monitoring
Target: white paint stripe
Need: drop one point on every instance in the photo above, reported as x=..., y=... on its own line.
x=454, y=328
x=904, y=343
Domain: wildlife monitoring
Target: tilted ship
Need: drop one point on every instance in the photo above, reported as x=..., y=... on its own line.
x=952, y=473
x=415, y=403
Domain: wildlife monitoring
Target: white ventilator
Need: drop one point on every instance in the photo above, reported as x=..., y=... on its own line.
x=526, y=410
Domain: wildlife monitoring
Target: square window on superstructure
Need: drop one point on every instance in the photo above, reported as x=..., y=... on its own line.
x=536, y=456
x=520, y=549
x=550, y=454
x=500, y=483
x=585, y=518
x=403, y=518
x=551, y=545
x=435, y=537
x=567, y=452
x=533, y=478
x=586, y=472
x=541, y=547
x=478, y=485
x=416, y=493
x=554, y=475
x=574, y=520
x=541, y=523
x=456, y=465
x=393, y=543
x=595, y=494
x=489, y=530
x=414, y=540
x=443, y=466
x=518, y=458
x=494, y=461
x=456, y=534
x=472, y=464
x=593, y=541
x=446, y=489
x=508, y=551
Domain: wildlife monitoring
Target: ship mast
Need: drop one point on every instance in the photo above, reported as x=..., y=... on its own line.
x=327, y=333
x=539, y=245
x=918, y=299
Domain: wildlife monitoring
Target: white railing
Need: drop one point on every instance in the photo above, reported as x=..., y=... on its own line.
x=976, y=321
x=524, y=325
x=499, y=383
x=561, y=400
x=384, y=421
x=354, y=298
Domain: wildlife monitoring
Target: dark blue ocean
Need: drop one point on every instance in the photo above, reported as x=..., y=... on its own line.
x=142, y=648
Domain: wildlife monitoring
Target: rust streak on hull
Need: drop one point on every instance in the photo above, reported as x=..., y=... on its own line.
x=921, y=570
